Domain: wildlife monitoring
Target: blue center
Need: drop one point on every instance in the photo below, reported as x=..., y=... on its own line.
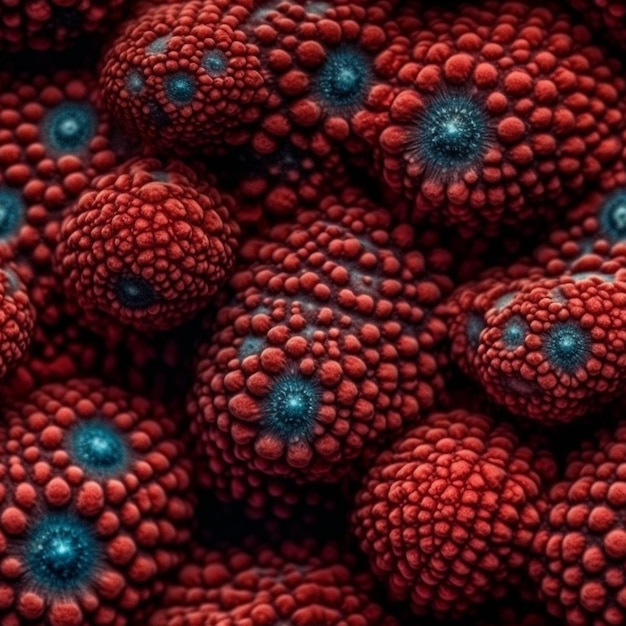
x=12, y=209
x=451, y=134
x=70, y=127
x=250, y=345
x=180, y=88
x=612, y=215
x=99, y=447
x=61, y=553
x=215, y=63
x=290, y=409
x=567, y=346
x=514, y=333
x=158, y=46
x=344, y=79
x=134, y=82
x=475, y=326
x=134, y=292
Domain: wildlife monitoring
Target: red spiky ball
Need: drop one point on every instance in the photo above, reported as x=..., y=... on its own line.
x=446, y=516
x=582, y=543
x=184, y=75
x=96, y=505
x=17, y=320
x=499, y=113
x=329, y=346
x=149, y=245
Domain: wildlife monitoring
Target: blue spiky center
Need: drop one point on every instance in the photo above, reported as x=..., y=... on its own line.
x=451, y=134
x=99, y=447
x=343, y=80
x=134, y=82
x=180, y=88
x=514, y=333
x=215, y=63
x=290, y=409
x=134, y=292
x=12, y=209
x=61, y=553
x=613, y=217
x=69, y=127
x=567, y=346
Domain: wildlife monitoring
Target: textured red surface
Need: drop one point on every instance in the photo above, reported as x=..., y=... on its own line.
x=140, y=514
x=161, y=223
x=304, y=584
x=447, y=514
x=339, y=303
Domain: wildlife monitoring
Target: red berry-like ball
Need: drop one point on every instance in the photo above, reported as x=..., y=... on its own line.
x=329, y=346
x=149, y=245
x=582, y=544
x=499, y=113
x=446, y=515
x=185, y=75
x=17, y=320
x=95, y=506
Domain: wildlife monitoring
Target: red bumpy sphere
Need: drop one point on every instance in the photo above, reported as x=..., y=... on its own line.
x=446, y=515
x=498, y=113
x=148, y=246
x=323, y=62
x=53, y=24
x=185, y=75
x=582, y=544
x=55, y=138
x=546, y=348
x=329, y=346
x=95, y=505
x=17, y=320
x=305, y=584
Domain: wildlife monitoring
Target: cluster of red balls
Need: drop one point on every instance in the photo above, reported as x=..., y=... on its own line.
x=349, y=272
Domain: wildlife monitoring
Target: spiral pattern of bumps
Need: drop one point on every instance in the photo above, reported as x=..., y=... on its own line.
x=95, y=505
x=446, y=516
x=329, y=347
x=149, y=245
x=499, y=113
x=305, y=584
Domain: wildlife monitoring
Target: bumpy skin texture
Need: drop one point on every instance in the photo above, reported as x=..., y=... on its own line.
x=304, y=584
x=550, y=349
x=53, y=24
x=328, y=348
x=323, y=62
x=581, y=545
x=544, y=336
x=90, y=460
x=271, y=186
x=185, y=75
x=17, y=320
x=149, y=245
x=55, y=139
x=499, y=113
x=447, y=514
